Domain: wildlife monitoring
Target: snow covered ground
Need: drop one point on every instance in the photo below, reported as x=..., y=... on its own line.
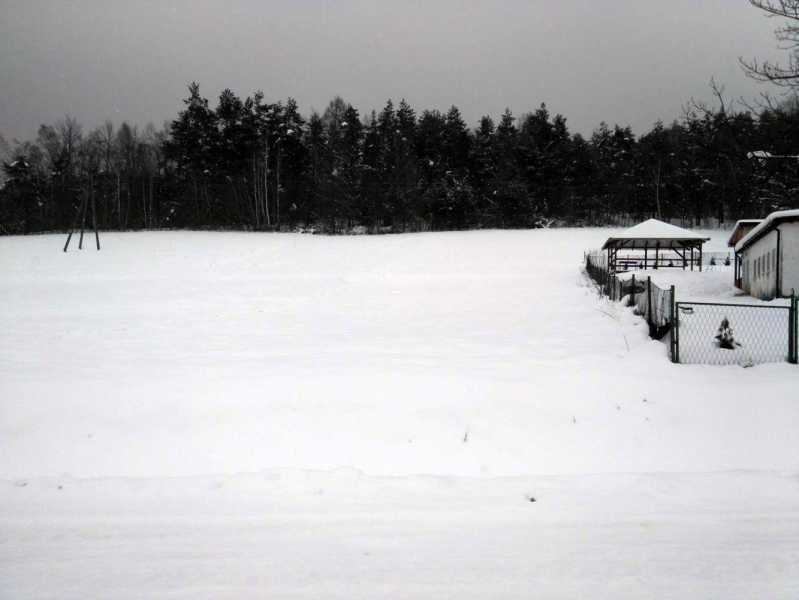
x=221, y=415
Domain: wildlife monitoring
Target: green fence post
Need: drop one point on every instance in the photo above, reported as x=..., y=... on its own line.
x=790, y=331
x=796, y=330
x=793, y=331
x=675, y=328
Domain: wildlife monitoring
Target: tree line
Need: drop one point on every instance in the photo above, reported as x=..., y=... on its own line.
x=248, y=164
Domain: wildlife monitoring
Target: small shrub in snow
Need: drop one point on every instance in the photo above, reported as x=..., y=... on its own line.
x=725, y=336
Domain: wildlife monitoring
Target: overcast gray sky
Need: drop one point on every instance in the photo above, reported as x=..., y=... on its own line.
x=626, y=61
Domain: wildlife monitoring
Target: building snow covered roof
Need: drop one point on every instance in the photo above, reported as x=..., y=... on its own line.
x=767, y=225
x=741, y=228
x=655, y=234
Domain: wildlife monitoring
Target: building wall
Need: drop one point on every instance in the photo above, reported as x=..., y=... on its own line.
x=760, y=267
x=759, y=263
x=790, y=257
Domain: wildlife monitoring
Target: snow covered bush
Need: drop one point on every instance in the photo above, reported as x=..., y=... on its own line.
x=725, y=335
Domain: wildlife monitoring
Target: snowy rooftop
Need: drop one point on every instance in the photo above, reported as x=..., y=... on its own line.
x=766, y=225
x=654, y=231
x=738, y=225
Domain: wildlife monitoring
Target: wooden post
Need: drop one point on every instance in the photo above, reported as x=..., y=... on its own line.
x=646, y=257
x=700, y=258
x=692, y=259
x=94, y=220
x=649, y=302
x=74, y=224
x=84, y=204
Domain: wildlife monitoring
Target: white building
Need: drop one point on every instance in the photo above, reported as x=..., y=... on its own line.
x=768, y=257
x=741, y=229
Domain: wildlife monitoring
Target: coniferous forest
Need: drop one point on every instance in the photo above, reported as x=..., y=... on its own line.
x=248, y=164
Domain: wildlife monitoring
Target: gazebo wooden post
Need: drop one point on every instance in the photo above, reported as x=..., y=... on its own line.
x=674, y=240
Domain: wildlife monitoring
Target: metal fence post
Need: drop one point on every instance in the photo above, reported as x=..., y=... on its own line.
x=649, y=302
x=791, y=318
x=795, y=329
x=632, y=293
x=675, y=329
x=793, y=332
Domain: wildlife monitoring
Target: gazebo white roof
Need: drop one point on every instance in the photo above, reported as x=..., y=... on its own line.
x=655, y=234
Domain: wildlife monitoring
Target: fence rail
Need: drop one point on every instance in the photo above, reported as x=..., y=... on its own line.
x=705, y=332
x=728, y=334
x=650, y=301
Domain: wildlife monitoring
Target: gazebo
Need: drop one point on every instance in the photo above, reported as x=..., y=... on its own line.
x=663, y=245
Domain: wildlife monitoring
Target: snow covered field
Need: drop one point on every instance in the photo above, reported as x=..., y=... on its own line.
x=221, y=415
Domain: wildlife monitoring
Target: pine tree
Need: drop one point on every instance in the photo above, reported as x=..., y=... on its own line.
x=406, y=162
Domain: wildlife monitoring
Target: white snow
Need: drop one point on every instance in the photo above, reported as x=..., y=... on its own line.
x=653, y=229
x=714, y=284
x=220, y=415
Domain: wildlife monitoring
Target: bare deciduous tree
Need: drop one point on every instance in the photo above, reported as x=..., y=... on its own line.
x=781, y=74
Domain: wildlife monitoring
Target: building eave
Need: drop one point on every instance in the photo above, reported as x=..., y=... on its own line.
x=768, y=225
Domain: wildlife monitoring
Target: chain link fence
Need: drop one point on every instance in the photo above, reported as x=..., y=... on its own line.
x=650, y=301
x=654, y=303
x=733, y=334
x=716, y=259
x=704, y=332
